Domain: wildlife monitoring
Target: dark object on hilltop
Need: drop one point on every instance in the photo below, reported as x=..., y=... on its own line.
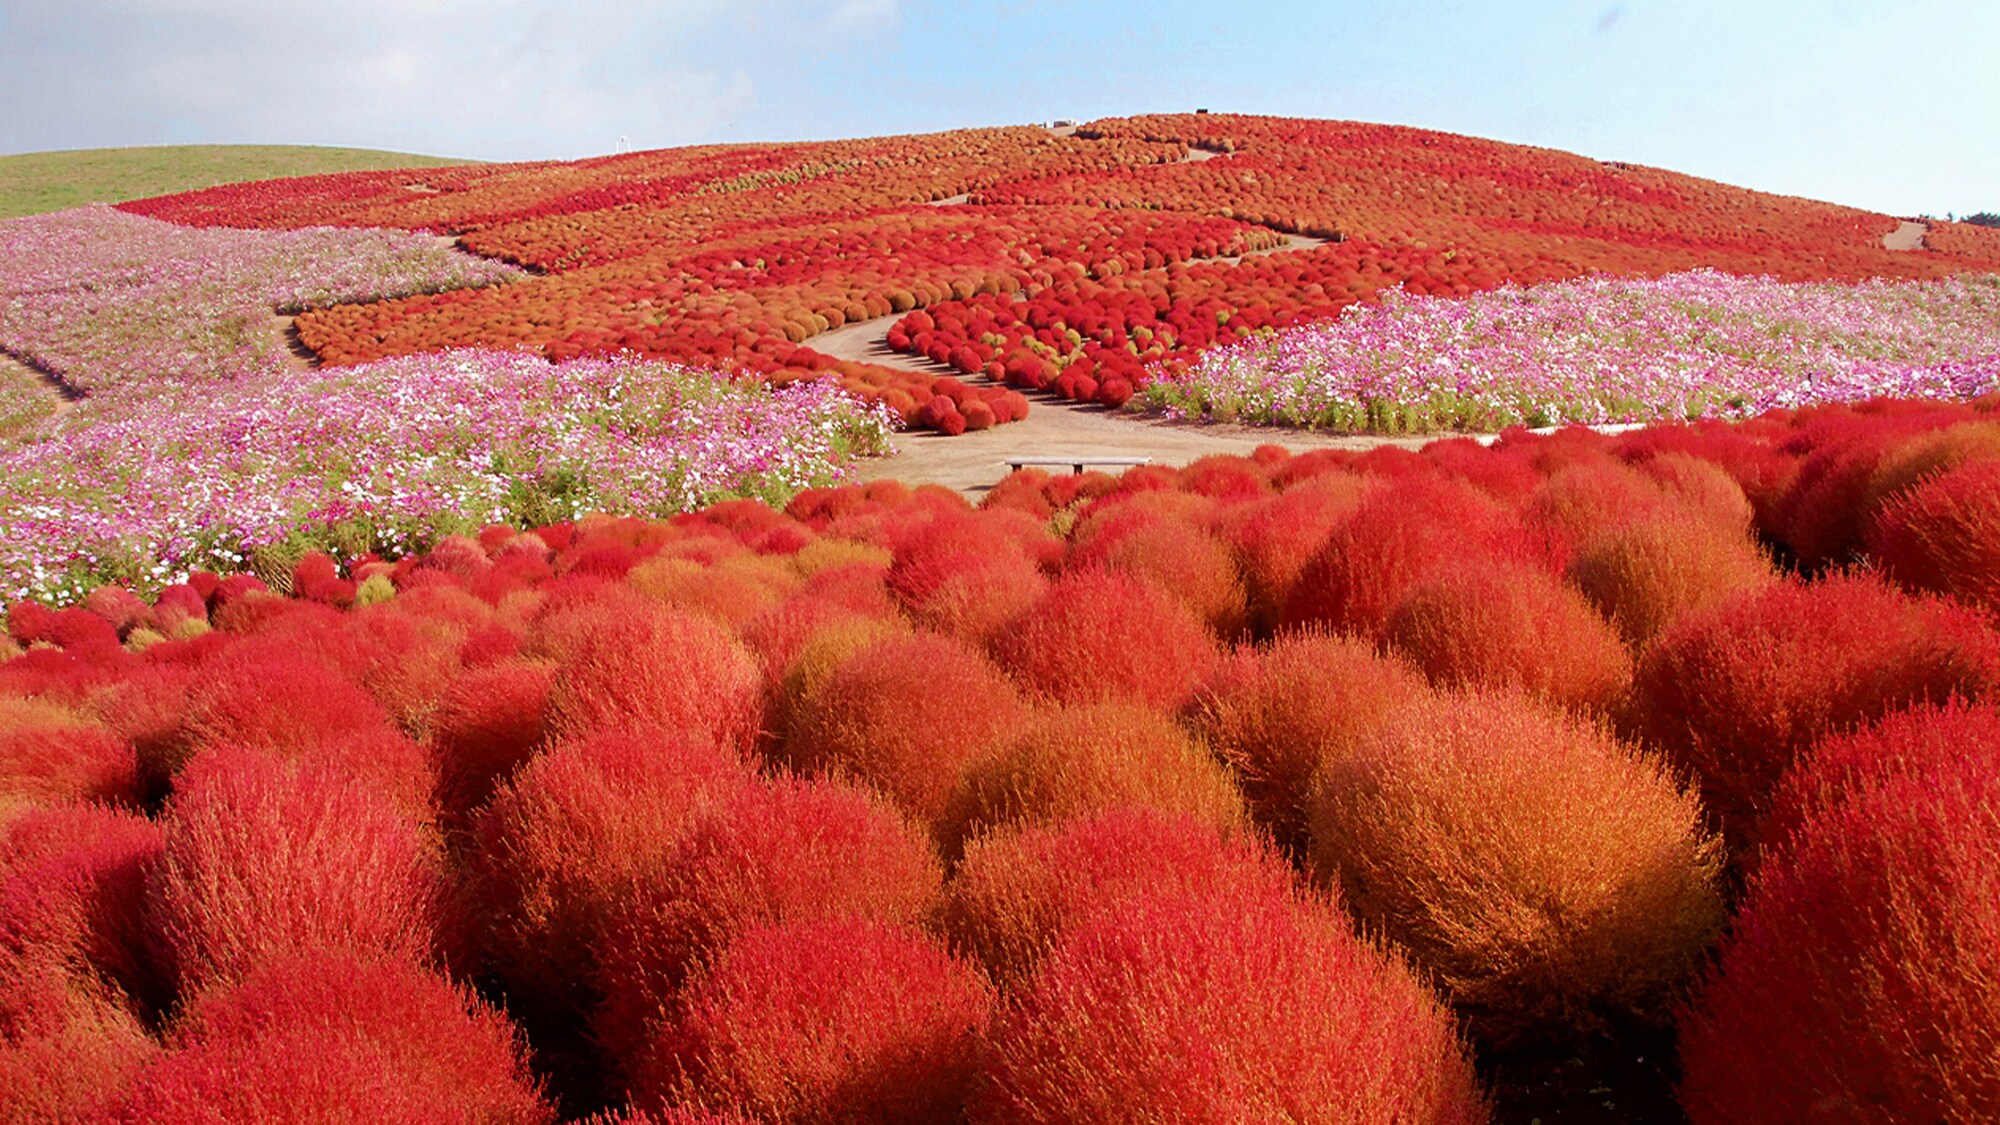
x=1984, y=219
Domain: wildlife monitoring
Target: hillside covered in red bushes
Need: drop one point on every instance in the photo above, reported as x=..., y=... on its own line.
x=1073, y=264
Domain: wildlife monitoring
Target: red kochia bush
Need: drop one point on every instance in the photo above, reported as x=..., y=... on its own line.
x=678, y=1115
x=965, y=585
x=1858, y=982
x=1019, y=889
x=1230, y=1008
x=486, y=724
x=1100, y=635
x=68, y=1048
x=625, y=662
x=1738, y=693
x=1550, y=879
x=1943, y=535
x=1905, y=743
x=266, y=695
x=50, y=753
x=564, y=836
x=1651, y=572
x=72, y=900
x=909, y=715
x=783, y=851
x=1512, y=626
x=266, y=857
x=1278, y=713
x=837, y=1020
x=316, y=1037
x=1404, y=534
x=1090, y=757
x=1275, y=538
x=1179, y=558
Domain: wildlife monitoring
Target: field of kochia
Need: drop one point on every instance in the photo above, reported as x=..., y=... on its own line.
x=1325, y=787
x=447, y=678
x=1079, y=265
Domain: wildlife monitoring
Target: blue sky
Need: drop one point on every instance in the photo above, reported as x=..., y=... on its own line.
x=1881, y=105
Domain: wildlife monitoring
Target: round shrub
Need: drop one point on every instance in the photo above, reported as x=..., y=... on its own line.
x=1943, y=535
x=1511, y=626
x=732, y=591
x=776, y=635
x=1274, y=538
x=1738, y=693
x=315, y=1037
x=1703, y=489
x=1234, y=1009
x=148, y=708
x=819, y=653
x=488, y=723
x=1101, y=635
x=627, y=663
x=1905, y=743
x=1651, y=573
x=68, y=1048
x=784, y=851
x=1857, y=984
x=969, y=589
x=1827, y=506
x=265, y=857
x=73, y=900
x=1549, y=879
x=835, y=1020
x=1087, y=758
x=1277, y=713
x=1020, y=888
x=564, y=837
x=908, y=715
x=267, y=695
x=1592, y=497
x=677, y=1115
x=49, y=753
x=1179, y=558
x=1404, y=534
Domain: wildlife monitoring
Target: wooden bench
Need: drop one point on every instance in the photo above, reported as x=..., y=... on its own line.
x=1076, y=464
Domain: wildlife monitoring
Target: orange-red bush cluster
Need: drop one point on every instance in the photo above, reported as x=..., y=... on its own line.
x=823, y=814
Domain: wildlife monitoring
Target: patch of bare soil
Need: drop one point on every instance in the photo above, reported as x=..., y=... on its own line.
x=19, y=372
x=1909, y=236
x=298, y=357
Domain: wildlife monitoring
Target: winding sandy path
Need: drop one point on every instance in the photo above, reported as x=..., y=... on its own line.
x=1909, y=236
x=298, y=357
x=61, y=396
x=974, y=462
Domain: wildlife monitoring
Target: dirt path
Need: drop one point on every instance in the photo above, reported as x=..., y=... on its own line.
x=62, y=397
x=298, y=357
x=1909, y=236
x=973, y=463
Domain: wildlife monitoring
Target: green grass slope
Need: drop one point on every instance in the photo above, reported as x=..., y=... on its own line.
x=36, y=182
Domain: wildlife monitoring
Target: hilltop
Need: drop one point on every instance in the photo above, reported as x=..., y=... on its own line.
x=38, y=182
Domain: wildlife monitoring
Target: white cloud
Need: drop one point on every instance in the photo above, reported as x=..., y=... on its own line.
x=489, y=78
